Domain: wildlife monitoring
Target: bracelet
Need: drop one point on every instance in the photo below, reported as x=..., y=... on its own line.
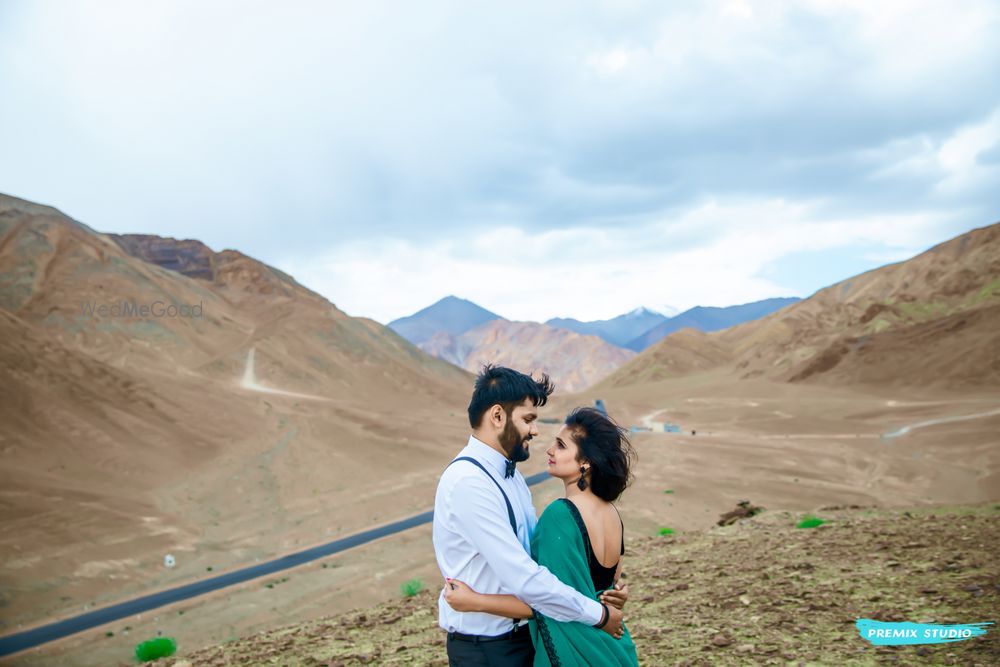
x=605, y=615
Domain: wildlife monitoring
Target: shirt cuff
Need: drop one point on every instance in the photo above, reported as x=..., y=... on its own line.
x=594, y=612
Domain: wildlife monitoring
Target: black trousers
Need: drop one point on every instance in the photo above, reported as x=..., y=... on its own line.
x=516, y=651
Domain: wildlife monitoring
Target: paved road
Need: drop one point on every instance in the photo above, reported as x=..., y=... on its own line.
x=47, y=633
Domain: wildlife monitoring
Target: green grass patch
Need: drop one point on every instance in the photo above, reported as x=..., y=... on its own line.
x=275, y=582
x=665, y=531
x=810, y=521
x=411, y=587
x=989, y=290
x=877, y=325
x=922, y=311
x=161, y=647
x=669, y=491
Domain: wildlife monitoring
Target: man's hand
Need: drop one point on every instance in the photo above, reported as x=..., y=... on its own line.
x=614, y=625
x=616, y=597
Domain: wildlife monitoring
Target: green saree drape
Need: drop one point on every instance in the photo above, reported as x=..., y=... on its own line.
x=557, y=543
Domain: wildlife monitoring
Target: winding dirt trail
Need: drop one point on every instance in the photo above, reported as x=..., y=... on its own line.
x=249, y=382
x=933, y=422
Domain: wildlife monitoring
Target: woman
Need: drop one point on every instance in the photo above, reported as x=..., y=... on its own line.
x=579, y=538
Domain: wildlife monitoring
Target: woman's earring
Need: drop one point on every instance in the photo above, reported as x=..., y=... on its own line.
x=582, y=483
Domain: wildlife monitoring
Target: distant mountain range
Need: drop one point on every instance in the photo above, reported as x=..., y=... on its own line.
x=450, y=315
x=619, y=331
x=574, y=361
x=930, y=320
x=573, y=352
x=708, y=318
x=468, y=336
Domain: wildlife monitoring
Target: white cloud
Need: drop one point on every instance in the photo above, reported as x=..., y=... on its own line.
x=610, y=62
x=571, y=150
x=951, y=162
x=958, y=154
x=738, y=8
x=594, y=273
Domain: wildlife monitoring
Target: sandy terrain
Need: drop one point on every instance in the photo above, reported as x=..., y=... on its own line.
x=786, y=447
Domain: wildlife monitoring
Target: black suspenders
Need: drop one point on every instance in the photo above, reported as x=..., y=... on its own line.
x=510, y=509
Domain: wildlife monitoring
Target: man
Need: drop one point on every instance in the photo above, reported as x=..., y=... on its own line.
x=483, y=520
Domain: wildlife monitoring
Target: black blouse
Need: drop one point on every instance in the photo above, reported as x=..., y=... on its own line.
x=603, y=577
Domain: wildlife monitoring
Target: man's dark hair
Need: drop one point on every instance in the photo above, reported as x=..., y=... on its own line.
x=509, y=388
x=605, y=446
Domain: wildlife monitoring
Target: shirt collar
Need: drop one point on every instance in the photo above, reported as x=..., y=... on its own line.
x=483, y=452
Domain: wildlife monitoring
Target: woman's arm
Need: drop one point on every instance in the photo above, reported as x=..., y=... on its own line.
x=460, y=597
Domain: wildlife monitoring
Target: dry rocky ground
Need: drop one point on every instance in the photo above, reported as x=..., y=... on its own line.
x=757, y=592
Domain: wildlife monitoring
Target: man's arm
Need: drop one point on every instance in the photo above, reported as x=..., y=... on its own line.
x=475, y=509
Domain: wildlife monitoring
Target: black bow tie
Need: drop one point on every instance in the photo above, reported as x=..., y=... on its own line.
x=509, y=472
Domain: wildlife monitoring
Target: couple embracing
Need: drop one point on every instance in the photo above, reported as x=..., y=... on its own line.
x=521, y=590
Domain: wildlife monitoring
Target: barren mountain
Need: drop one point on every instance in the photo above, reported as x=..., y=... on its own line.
x=450, y=315
x=574, y=361
x=932, y=319
x=171, y=398
x=689, y=351
x=706, y=318
x=618, y=330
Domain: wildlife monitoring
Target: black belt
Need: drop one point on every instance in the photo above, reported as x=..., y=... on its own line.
x=482, y=639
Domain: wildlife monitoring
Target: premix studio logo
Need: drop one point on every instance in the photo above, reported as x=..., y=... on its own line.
x=880, y=633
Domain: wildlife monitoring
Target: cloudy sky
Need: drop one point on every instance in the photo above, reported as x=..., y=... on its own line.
x=542, y=159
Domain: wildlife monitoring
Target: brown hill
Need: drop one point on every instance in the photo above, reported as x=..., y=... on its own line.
x=689, y=351
x=230, y=270
x=574, y=361
x=56, y=272
x=931, y=319
x=222, y=436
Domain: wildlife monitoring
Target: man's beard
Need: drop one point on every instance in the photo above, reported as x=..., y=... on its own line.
x=512, y=443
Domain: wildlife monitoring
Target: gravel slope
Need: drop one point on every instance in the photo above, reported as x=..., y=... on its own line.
x=757, y=592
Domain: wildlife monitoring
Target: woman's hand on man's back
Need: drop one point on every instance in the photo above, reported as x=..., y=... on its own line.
x=617, y=596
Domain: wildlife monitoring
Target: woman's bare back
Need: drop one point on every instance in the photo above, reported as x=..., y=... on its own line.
x=604, y=526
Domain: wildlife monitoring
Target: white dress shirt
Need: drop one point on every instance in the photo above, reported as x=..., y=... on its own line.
x=474, y=543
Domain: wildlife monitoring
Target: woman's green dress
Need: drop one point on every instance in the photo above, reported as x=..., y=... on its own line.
x=558, y=544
